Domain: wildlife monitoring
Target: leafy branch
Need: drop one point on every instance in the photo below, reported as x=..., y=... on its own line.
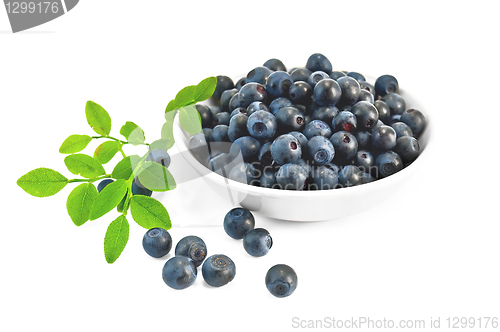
x=85, y=203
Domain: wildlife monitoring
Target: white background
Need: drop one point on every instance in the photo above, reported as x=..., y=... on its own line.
x=430, y=251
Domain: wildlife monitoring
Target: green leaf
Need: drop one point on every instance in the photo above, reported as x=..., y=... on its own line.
x=205, y=89
x=123, y=170
x=84, y=165
x=106, y=151
x=80, y=202
x=98, y=118
x=185, y=96
x=155, y=177
x=133, y=133
x=172, y=106
x=162, y=144
x=149, y=213
x=116, y=238
x=108, y=198
x=120, y=205
x=42, y=182
x=190, y=120
x=74, y=143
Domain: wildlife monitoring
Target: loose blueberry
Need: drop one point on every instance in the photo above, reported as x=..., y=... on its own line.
x=258, y=75
x=256, y=106
x=251, y=92
x=238, y=222
x=395, y=102
x=278, y=84
x=289, y=119
x=157, y=242
x=318, y=61
x=103, y=184
x=300, y=74
x=345, y=121
x=366, y=115
x=139, y=189
x=401, y=129
x=278, y=104
x=281, y=280
x=327, y=92
x=237, y=126
x=345, y=145
x=257, y=242
x=384, y=112
x=262, y=125
x=388, y=163
x=275, y=65
x=220, y=133
x=350, y=176
x=223, y=83
x=179, y=272
x=386, y=84
x=292, y=177
x=415, y=119
x=350, y=90
x=218, y=270
x=356, y=76
x=407, y=148
x=286, y=149
x=324, y=178
x=316, y=77
x=192, y=247
x=248, y=146
x=384, y=138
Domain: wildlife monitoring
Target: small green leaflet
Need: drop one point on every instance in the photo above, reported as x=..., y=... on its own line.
x=190, y=120
x=120, y=205
x=84, y=165
x=98, y=118
x=42, y=182
x=108, y=198
x=80, y=202
x=156, y=177
x=205, y=89
x=116, y=238
x=74, y=143
x=167, y=130
x=162, y=144
x=123, y=170
x=106, y=151
x=149, y=213
x=133, y=133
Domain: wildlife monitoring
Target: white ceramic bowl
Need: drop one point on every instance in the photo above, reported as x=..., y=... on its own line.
x=314, y=205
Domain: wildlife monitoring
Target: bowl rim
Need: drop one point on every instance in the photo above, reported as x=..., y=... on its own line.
x=279, y=193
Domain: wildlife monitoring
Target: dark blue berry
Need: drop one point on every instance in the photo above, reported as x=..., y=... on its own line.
x=350, y=90
x=316, y=77
x=289, y=119
x=192, y=247
x=325, y=113
x=225, y=98
x=384, y=112
x=157, y=242
x=401, y=129
x=364, y=95
x=265, y=156
x=256, y=106
x=262, y=125
x=364, y=139
x=207, y=132
x=366, y=115
x=388, y=163
x=324, y=178
x=301, y=138
x=335, y=75
x=395, y=102
x=251, y=92
x=205, y=114
x=364, y=160
x=248, y=146
x=281, y=280
x=317, y=128
x=238, y=222
x=384, y=138
x=234, y=102
x=320, y=150
x=239, y=110
x=345, y=145
x=237, y=127
x=244, y=173
x=318, y=61
x=356, y=76
x=300, y=74
x=345, y=121
x=139, y=189
x=179, y=272
x=414, y=119
x=327, y=92
x=219, y=133
x=218, y=270
x=268, y=179
x=257, y=242
x=350, y=176
x=240, y=83
x=367, y=86
x=386, y=84
x=407, y=148
x=222, y=118
x=159, y=156
x=278, y=104
x=292, y=177
x=275, y=64
x=258, y=75
x=223, y=83
x=278, y=84
x=103, y=184
x=286, y=149
x=300, y=92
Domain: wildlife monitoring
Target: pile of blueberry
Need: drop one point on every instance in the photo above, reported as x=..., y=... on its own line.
x=307, y=128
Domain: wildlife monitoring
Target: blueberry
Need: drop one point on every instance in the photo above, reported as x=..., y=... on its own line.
x=367, y=86
x=286, y=149
x=364, y=160
x=248, y=146
x=251, y=92
x=268, y=179
x=240, y=83
x=394, y=118
x=237, y=127
x=157, y=242
x=278, y=104
x=356, y=76
x=258, y=75
x=192, y=247
x=223, y=83
x=335, y=75
x=366, y=178
x=333, y=167
x=316, y=77
x=238, y=222
x=320, y=150
x=300, y=92
x=139, y=189
x=350, y=176
x=415, y=119
x=317, y=128
x=325, y=113
x=207, y=132
x=215, y=110
x=407, y=148
x=278, y=84
x=220, y=133
x=289, y=119
x=239, y=110
x=350, y=90
x=345, y=145
x=281, y=280
x=318, y=61
x=265, y=156
x=366, y=115
x=262, y=125
x=300, y=74
x=384, y=112
x=301, y=138
x=377, y=125
x=275, y=64
x=103, y=184
x=366, y=96
x=292, y=177
x=218, y=270
x=327, y=92
x=305, y=165
x=386, y=84
x=234, y=102
x=364, y=139
x=388, y=163
x=256, y=106
x=225, y=98
x=222, y=118
x=179, y=272
x=205, y=114
x=159, y=156
x=395, y=102
x=345, y=121
x=401, y=129
x=384, y=138
x=324, y=178
x=257, y=242
x=244, y=173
